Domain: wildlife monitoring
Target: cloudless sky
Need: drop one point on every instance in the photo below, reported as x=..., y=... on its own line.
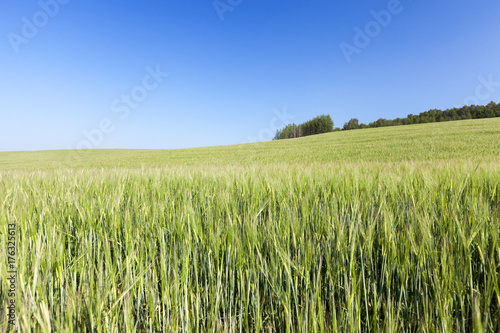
x=231, y=71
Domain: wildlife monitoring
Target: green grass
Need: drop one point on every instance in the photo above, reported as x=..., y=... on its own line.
x=390, y=229
x=476, y=140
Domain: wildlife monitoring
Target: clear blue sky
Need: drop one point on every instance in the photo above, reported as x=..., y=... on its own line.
x=231, y=67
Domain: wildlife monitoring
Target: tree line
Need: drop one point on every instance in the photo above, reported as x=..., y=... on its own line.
x=324, y=123
x=466, y=112
x=318, y=125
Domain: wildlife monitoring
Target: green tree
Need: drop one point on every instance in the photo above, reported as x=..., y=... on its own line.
x=353, y=123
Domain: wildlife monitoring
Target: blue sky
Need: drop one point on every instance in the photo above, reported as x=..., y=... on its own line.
x=237, y=69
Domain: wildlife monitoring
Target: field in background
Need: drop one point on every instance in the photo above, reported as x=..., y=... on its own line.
x=476, y=140
x=386, y=229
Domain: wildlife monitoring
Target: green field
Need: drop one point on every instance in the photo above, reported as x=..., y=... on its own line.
x=386, y=229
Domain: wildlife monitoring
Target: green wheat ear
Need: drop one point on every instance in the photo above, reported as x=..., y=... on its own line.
x=343, y=233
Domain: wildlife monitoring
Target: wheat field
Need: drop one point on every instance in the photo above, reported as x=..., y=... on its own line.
x=392, y=229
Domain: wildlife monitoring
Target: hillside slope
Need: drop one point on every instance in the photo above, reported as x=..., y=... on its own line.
x=394, y=228
x=474, y=140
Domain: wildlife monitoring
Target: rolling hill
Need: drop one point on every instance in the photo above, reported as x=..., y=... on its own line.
x=474, y=140
x=384, y=229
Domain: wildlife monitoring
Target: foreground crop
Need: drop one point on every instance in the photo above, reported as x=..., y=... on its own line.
x=324, y=248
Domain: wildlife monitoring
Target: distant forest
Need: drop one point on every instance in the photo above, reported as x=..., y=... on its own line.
x=318, y=125
x=324, y=123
